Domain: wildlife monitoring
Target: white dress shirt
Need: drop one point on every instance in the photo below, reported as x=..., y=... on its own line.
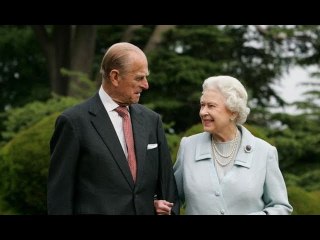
x=116, y=120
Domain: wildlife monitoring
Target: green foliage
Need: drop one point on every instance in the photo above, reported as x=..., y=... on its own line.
x=309, y=180
x=297, y=139
x=259, y=132
x=198, y=128
x=172, y=139
x=290, y=151
x=304, y=202
x=189, y=54
x=306, y=39
x=21, y=118
x=173, y=143
x=24, y=158
x=106, y=36
x=169, y=70
x=291, y=179
x=23, y=75
x=24, y=168
x=80, y=86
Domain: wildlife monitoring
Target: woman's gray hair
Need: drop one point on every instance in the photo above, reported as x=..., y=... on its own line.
x=234, y=92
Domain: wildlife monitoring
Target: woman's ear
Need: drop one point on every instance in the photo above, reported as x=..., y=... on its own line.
x=233, y=116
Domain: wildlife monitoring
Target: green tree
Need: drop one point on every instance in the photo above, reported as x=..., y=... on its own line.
x=24, y=156
x=189, y=54
x=24, y=169
x=18, y=119
x=66, y=46
x=22, y=75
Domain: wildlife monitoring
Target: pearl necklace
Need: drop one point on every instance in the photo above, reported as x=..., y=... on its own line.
x=225, y=159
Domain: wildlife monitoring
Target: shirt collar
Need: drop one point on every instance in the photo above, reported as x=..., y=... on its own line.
x=107, y=101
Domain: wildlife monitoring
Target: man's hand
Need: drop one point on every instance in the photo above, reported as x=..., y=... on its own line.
x=163, y=207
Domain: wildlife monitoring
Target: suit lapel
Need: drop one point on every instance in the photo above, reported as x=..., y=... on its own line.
x=140, y=138
x=104, y=127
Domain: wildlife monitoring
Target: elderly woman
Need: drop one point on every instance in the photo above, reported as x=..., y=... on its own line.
x=225, y=169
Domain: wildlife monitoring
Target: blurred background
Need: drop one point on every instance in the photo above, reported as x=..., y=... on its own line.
x=45, y=69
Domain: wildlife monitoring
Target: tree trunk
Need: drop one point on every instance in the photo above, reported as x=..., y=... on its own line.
x=56, y=47
x=82, y=53
x=69, y=47
x=156, y=37
x=129, y=33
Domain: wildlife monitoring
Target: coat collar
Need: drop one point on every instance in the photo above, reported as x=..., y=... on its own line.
x=246, y=149
x=203, y=148
x=245, y=152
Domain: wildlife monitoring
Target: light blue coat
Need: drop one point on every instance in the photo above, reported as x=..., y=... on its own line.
x=254, y=185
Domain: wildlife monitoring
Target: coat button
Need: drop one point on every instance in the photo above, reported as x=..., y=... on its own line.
x=216, y=193
x=248, y=148
x=222, y=212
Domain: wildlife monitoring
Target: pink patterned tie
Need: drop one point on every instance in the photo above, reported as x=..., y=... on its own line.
x=127, y=130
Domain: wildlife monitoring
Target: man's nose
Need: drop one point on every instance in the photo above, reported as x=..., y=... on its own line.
x=145, y=84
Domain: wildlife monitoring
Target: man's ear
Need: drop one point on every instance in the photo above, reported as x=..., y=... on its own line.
x=114, y=77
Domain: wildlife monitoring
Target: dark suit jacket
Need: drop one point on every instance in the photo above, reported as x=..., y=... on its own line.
x=89, y=173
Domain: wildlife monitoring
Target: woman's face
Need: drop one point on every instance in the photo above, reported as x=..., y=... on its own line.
x=214, y=115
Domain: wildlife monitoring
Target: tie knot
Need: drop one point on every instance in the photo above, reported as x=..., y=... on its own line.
x=122, y=111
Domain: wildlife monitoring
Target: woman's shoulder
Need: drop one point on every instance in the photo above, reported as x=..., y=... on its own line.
x=195, y=138
x=248, y=135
